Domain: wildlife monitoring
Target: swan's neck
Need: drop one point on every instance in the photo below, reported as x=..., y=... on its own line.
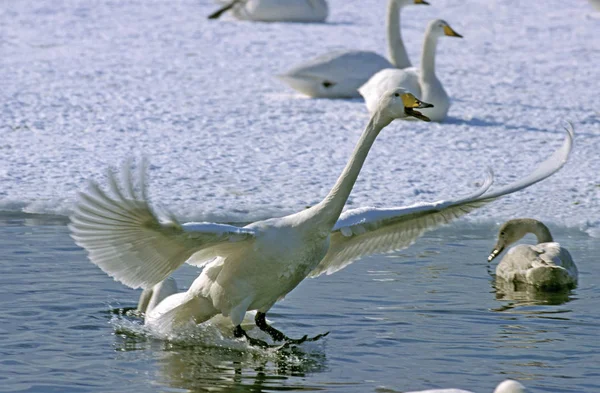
x=428, y=57
x=331, y=207
x=397, y=52
x=540, y=230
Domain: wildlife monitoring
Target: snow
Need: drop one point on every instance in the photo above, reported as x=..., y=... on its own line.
x=86, y=84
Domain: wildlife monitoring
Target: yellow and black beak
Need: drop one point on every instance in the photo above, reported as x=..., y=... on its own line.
x=451, y=33
x=495, y=252
x=411, y=102
x=421, y=2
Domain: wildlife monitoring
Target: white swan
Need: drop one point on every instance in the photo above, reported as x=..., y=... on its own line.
x=545, y=265
x=423, y=82
x=339, y=74
x=507, y=386
x=251, y=267
x=276, y=10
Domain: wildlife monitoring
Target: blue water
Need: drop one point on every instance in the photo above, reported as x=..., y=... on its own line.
x=426, y=317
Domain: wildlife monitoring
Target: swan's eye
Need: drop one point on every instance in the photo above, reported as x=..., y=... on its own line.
x=327, y=84
x=396, y=94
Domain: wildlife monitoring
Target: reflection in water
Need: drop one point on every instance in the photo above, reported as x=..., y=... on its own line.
x=520, y=294
x=207, y=360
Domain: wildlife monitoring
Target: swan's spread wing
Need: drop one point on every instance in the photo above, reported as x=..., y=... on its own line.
x=126, y=239
x=370, y=230
x=367, y=231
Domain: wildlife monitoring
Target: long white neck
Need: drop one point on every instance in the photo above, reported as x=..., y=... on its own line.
x=396, y=50
x=428, y=56
x=331, y=207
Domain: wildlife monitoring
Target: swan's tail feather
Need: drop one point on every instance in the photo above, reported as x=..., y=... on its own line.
x=180, y=312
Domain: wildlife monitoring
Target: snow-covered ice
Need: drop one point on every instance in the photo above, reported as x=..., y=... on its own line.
x=86, y=84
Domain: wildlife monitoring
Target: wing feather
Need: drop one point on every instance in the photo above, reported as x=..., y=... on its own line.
x=126, y=239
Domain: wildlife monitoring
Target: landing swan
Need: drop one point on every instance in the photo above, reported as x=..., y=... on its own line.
x=339, y=74
x=276, y=10
x=251, y=267
x=423, y=83
x=545, y=265
x=507, y=386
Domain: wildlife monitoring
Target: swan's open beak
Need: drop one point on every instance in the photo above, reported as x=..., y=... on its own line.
x=451, y=33
x=421, y=2
x=411, y=102
x=495, y=252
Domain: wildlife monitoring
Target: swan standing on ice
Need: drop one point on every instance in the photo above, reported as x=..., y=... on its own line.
x=276, y=10
x=545, y=265
x=423, y=83
x=508, y=386
x=339, y=74
x=252, y=267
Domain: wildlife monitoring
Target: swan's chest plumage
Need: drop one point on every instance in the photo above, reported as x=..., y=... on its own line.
x=289, y=252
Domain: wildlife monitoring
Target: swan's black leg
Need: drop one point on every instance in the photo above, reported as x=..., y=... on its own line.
x=238, y=332
x=277, y=335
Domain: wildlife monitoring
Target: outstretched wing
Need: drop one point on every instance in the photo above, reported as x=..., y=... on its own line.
x=128, y=241
x=367, y=231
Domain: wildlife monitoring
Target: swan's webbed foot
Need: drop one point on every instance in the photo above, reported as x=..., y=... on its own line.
x=277, y=335
x=238, y=332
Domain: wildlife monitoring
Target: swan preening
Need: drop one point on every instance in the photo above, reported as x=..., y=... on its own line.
x=422, y=82
x=545, y=265
x=507, y=386
x=275, y=10
x=252, y=267
x=339, y=74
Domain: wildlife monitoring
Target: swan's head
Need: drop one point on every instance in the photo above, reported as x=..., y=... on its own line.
x=440, y=28
x=509, y=233
x=510, y=386
x=400, y=103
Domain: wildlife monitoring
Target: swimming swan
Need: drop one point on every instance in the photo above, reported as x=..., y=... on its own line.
x=276, y=10
x=507, y=386
x=423, y=82
x=339, y=74
x=545, y=265
x=252, y=267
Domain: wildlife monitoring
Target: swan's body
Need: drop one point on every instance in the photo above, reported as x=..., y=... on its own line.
x=339, y=74
x=251, y=267
x=276, y=10
x=545, y=265
x=422, y=82
x=166, y=292
x=508, y=386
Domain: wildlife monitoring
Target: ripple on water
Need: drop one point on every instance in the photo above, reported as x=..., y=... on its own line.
x=407, y=320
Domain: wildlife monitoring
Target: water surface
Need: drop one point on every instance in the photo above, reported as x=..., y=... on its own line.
x=429, y=316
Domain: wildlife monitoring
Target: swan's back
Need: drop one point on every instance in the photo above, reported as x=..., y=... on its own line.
x=388, y=79
x=282, y=10
x=343, y=72
x=544, y=265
